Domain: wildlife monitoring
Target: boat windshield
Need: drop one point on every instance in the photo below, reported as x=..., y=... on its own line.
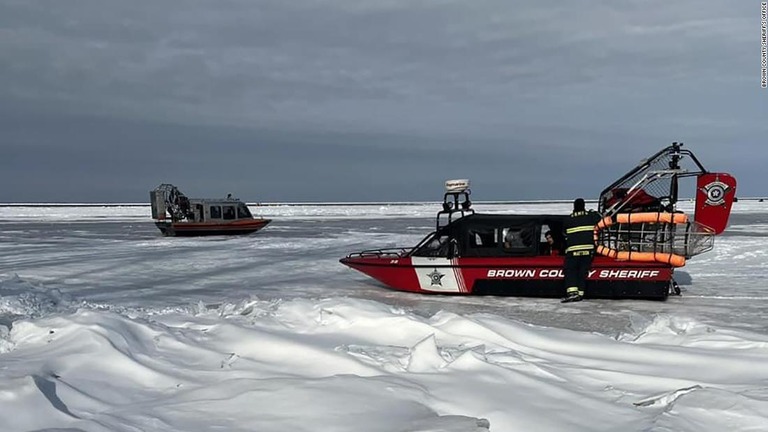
x=243, y=212
x=437, y=246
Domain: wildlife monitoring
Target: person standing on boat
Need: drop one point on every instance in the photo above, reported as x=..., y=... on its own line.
x=579, y=250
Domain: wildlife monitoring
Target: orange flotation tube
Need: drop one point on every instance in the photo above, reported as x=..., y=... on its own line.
x=627, y=218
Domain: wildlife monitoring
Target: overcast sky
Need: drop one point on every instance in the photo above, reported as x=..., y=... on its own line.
x=358, y=100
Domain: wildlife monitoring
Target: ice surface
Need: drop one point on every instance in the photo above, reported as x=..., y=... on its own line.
x=107, y=325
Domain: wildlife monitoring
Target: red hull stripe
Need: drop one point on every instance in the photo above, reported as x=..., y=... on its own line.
x=221, y=227
x=459, y=276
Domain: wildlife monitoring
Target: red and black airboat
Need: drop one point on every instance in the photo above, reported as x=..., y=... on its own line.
x=641, y=239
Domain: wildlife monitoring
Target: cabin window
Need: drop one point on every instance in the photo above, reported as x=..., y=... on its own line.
x=215, y=212
x=544, y=230
x=551, y=241
x=243, y=212
x=483, y=238
x=518, y=238
x=498, y=238
x=513, y=238
x=229, y=212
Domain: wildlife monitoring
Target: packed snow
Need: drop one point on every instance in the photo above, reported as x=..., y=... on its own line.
x=105, y=325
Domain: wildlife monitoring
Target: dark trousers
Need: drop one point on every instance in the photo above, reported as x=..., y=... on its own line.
x=576, y=270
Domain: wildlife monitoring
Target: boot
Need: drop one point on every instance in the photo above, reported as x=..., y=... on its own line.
x=572, y=297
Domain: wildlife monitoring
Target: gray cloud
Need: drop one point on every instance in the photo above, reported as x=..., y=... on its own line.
x=399, y=86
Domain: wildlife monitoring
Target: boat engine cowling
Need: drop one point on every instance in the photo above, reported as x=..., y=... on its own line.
x=167, y=199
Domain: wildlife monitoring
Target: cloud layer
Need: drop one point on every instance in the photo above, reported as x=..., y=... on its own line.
x=423, y=88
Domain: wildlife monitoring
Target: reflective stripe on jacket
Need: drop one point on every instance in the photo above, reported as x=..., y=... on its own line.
x=579, y=231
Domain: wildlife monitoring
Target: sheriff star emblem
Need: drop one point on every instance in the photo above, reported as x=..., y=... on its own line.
x=435, y=278
x=715, y=193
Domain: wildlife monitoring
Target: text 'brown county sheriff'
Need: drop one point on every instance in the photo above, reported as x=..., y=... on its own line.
x=558, y=273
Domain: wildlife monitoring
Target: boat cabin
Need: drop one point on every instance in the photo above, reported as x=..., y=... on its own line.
x=212, y=210
x=167, y=200
x=461, y=232
x=489, y=235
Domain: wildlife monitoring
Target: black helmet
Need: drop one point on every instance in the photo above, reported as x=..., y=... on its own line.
x=578, y=204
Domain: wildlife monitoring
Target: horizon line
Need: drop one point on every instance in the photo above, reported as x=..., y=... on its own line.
x=317, y=203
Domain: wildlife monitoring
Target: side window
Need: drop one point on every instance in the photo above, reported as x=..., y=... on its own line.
x=482, y=238
x=544, y=230
x=552, y=241
x=518, y=238
x=215, y=212
x=243, y=212
x=513, y=238
x=229, y=212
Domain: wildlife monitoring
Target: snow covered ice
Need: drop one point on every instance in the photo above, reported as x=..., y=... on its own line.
x=105, y=325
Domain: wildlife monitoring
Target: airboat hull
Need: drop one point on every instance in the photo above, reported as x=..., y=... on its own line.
x=528, y=277
x=196, y=229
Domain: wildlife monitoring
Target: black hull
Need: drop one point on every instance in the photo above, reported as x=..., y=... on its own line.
x=613, y=289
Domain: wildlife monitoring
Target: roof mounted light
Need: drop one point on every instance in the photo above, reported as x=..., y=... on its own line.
x=456, y=186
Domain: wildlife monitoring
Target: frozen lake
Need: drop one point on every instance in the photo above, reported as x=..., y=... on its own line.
x=105, y=325
x=115, y=257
